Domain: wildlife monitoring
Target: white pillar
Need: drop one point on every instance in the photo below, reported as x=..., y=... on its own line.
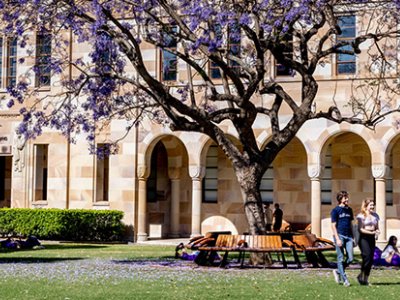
x=378, y=172
x=196, y=173
x=142, y=210
x=314, y=171
x=196, y=206
x=316, y=206
x=381, y=207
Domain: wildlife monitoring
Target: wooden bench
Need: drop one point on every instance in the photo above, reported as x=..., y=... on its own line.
x=251, y=244
x=208, y=239
x=312, y=245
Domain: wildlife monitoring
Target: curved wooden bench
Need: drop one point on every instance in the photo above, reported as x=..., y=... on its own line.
x=250, y=243
x=312, y=245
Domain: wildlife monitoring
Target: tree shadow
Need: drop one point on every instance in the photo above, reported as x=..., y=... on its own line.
x=73, y=246
x=385, y=283
x=35, y=260
x=53, y=247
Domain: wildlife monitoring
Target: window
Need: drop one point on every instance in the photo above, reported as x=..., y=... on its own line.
x=326, y=178
x=43, y=57
x=282, y=70
x=40, y=167
x=233, y=45
x=346, y=63
x=168, y=58
x=215, y=72
x=11, y=78
x=234, y=39
x=102, y=176
x=267, y=186
x=210, y=180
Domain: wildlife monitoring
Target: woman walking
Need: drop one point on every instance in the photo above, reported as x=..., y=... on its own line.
x=368, y=226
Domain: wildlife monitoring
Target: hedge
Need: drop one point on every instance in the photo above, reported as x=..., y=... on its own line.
x=62, y=224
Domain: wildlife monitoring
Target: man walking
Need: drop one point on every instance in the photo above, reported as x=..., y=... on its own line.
x=341, y=218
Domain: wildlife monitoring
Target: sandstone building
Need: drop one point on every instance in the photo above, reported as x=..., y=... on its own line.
x=171, y=184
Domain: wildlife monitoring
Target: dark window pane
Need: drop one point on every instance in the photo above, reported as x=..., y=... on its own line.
x=346, y=57
x=347, y=21
x=346, y=62
x=347, y=68
x=169, y=60
x=348, y=32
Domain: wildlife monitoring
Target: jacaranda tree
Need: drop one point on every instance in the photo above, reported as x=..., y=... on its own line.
x=239, y=39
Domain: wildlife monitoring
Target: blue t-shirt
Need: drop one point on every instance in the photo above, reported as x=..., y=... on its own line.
x=343, y=216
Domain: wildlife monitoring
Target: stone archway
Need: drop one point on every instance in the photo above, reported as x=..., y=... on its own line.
x=346, y=165
x=291, y=186
x=392, y=181
x=164, y=190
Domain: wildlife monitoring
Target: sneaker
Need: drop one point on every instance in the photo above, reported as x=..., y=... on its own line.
x=336, y=276
x=346, y=283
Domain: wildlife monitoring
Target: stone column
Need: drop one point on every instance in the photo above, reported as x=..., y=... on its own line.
x=316, y=206
x=379, y=171
x=174, y=175
x=142, y=234
x=196, y=173
x=314, y=173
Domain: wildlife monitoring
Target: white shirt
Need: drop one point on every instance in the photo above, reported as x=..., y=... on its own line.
x=388, y=251
x=368, y=222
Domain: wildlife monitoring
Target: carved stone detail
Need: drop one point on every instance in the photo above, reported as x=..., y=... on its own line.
x=379, y=171
x=314, y=171
x=197, y=171
x=143, y=171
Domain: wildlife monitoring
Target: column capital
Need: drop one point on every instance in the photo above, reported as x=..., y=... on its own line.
x=174, y=173
x=143, y=172
x=314, y=171
x=379, y=171
x=197, y=172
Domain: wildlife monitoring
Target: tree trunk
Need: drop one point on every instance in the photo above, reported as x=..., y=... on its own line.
x=249, y=180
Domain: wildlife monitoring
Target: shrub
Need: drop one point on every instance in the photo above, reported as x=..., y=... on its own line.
x=62, y=224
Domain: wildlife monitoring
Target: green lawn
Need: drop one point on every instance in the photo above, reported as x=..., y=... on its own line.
x=94, y=271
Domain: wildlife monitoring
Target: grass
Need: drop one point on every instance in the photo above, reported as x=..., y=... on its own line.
x=96, y=271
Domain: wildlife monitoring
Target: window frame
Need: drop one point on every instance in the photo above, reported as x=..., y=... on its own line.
x=289, y=45
x=42, y=55
x=342, y=62
x=102, y=177
x=41, y=167
x=213, y=180
x=11, y=61
x=267, y=193
x=174, y=58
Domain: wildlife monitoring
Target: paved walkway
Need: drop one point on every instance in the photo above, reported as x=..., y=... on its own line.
x=165, y=241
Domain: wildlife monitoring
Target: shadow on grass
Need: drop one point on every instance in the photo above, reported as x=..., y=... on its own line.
x=161, y=259
x=385, y=283
x=35, y=260
x=73, y=246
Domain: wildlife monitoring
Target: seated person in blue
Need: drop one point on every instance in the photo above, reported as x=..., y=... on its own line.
x=390, y=255
x=180, y=252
